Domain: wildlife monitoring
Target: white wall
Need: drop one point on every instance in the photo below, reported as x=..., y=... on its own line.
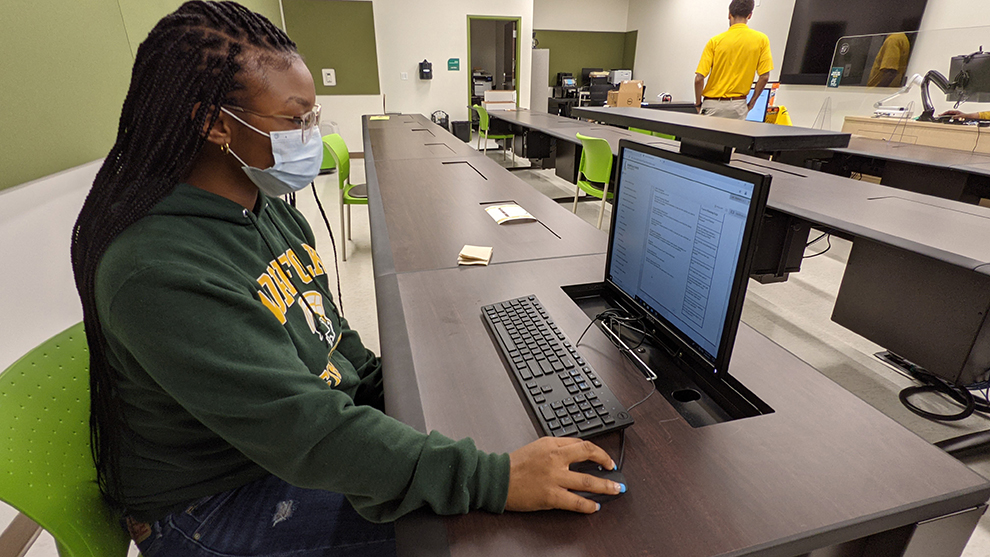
x=581, y=15
x=673, y=33
x=407, y=32
x=345, y=111
x=39, y=296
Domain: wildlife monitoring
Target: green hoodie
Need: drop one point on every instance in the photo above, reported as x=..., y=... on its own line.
x=208, y=310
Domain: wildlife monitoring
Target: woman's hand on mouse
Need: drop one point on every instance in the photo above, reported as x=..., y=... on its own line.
x=539, y=477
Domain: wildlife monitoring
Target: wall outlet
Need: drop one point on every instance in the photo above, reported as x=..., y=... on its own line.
x=329, y=77
x=404, y=75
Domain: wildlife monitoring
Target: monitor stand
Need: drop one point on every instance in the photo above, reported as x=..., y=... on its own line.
x=699, y=401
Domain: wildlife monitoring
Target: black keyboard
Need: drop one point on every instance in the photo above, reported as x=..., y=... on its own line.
x=566, y=395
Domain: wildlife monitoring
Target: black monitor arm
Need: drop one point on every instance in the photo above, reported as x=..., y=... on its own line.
x=940, y=81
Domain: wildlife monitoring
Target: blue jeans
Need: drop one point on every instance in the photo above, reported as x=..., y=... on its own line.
x=267, y=518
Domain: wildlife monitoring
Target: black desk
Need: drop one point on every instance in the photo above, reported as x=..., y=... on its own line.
x=947, y=173
x=825, y=473
x=716, y=137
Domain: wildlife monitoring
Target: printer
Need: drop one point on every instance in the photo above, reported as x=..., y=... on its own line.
x=616, y=77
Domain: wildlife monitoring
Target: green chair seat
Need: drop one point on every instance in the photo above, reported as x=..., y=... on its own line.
x=484, y=123
x=595, y=168
x=350, y=194
x=45, y=459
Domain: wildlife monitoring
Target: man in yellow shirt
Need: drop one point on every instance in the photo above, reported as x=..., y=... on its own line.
x=890, y=63
x=729, y=61
x=960, y=115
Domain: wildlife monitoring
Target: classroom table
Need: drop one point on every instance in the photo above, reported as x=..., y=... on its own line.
x=822, y=474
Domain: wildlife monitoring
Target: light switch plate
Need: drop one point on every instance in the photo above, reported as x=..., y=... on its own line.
x=329, y=77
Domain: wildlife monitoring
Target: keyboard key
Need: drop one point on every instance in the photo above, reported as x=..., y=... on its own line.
x=547, y=388
x=566, y=421
x=607, y=419
x=573, y=389
x=547, y=412
x=589, y=425
x=539, y=398
x=557, y=405
x=567, y=430
x=553, y=424
x=589, y=414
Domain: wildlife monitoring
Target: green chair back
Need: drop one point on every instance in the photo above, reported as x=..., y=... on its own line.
x=641, y=130
x=482, y=117
x=329, y=162
x=596, y=159
x=45, y=460
x=338, y=151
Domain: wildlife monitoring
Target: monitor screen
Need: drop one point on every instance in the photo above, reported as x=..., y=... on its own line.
x=681, y=244
x=568, y=82
x=818, y=26
x=759, y=112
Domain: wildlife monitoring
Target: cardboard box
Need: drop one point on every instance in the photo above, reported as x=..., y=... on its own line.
x=630, y=93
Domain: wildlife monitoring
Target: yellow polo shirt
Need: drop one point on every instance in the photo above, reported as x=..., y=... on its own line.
x=893, y=55
x=985, y=115
x=732, y=59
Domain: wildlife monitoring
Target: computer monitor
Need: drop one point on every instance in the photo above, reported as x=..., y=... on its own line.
x=681, y=243
x=971, y=74
x=759, y=111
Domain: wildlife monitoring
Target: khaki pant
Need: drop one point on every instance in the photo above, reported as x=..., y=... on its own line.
x=737, y=109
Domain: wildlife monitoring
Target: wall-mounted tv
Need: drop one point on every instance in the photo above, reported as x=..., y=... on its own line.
x=817, y=25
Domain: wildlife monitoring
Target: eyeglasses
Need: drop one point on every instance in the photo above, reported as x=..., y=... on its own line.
x=306, y=122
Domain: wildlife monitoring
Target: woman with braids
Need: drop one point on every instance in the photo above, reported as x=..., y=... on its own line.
x=233, y=410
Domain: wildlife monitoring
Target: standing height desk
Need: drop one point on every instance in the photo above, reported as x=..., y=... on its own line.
x=824, y=474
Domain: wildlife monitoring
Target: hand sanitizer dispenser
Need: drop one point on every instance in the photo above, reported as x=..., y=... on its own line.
x=425, y=70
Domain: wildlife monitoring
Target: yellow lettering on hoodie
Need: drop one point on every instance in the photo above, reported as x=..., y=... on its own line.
x=283, y=283
x=289, y=258
x=317, y=268
x=273, y=301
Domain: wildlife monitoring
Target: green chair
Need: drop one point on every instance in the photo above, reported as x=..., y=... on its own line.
x=484, y=123
x=45, y=460
x=350, y=194
x=594, y=171
x=654, y=134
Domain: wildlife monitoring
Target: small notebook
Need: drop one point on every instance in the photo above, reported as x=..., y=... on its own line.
x=474, y=255
x=509, y=213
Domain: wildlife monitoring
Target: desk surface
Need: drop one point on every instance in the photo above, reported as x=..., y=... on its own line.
x=953, y=159
x=741, y=134
x=946, y=230
x=822, y=469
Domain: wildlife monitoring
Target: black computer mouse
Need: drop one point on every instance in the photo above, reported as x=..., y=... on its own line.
x=593, y=469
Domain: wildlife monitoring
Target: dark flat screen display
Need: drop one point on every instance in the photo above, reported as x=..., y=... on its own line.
x=817, y=26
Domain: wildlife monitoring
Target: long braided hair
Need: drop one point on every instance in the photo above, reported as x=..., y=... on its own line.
x=189, y=66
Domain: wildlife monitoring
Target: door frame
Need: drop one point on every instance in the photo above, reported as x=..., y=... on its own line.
x=470, y=81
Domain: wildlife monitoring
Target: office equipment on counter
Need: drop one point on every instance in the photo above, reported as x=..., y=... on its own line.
x=565, y=394
x=586, y=76
x=566, y=87
x=616, y=77
x=482, y=81
x=970, y=82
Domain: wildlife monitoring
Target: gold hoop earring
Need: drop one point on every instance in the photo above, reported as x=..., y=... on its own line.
x=225, y=148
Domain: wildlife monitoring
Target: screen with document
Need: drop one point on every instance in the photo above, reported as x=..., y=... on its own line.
x=680, y=244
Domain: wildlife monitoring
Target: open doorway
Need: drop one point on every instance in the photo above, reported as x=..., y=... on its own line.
x=493, y=56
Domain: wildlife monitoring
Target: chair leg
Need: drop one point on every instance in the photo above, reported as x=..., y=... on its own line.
x=513, y=140
x=577, y=192
x=601, y=212
x=479, y=138
x=485, y=150
x=343, y=239
x=350, y=219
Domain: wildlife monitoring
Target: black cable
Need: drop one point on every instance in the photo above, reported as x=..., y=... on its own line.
x=828, y=239
x=622, y=449
x=326, y=221
x=978, y=126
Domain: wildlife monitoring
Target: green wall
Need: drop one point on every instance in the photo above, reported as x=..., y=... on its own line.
x=338, y=35
x=572, y=50
x=64, y=71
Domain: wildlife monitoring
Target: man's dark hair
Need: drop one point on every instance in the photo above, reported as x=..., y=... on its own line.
x=741, y=8
x=192, y=62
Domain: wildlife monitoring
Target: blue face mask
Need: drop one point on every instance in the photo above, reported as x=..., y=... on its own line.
x=297, y=164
